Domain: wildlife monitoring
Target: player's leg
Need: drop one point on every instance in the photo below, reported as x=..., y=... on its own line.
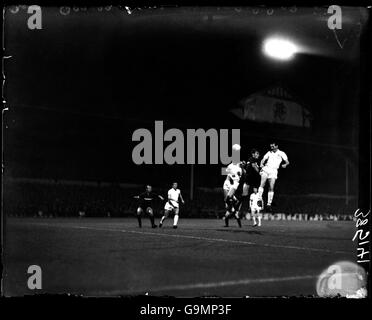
x=245, y=194
x=150, y=212
x=227, y=215
x=175, y=218
x=166, y=214
x=229, y=210
x=270, y=194
x=245, y=191
x=237, y=207
x=264, y=176
x=254, y=216
x=138, y=214
x=259, y=217
x=226, y=188
x=225, y=193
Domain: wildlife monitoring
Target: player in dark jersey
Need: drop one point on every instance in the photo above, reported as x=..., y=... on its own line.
x=252, y=174
x=146, y=204
x=252, y=168
x=250, y=178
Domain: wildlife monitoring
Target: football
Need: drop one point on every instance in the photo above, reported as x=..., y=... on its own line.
x=236, y=147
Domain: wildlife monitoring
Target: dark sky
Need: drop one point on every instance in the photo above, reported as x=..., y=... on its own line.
x=188, y=65
x=189, y=57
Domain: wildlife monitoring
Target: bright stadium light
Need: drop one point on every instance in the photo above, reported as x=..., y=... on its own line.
x=279, y=48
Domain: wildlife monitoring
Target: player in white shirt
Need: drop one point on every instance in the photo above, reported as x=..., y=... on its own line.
x=254, y=204
x=172, y=205
x=234, y=172
x=270, y=164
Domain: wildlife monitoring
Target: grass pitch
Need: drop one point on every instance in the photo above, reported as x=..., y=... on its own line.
x=113, y=257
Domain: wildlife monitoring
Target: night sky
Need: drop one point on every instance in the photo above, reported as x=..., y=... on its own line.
x=78, y=88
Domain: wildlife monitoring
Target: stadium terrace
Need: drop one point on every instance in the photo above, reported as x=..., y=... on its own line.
x=196, y=143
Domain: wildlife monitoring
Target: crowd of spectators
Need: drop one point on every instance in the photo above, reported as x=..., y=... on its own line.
x=29, y=199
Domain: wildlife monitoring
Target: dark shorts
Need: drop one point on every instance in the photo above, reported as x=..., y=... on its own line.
x=145, y=208
x=253, y=180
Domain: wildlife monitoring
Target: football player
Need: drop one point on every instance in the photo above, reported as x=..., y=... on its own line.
x=270, y=164
x=146, y=204
x=172, y=205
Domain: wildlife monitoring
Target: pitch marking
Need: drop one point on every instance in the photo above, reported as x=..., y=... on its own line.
x=208, y=285
x=204, y=239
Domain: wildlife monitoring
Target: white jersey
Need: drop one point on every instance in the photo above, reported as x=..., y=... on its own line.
x=274, y=159
x=234, y=171
x=253, y=201
x=173, y=196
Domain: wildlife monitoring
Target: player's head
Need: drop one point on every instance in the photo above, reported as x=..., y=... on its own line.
x=174, y=185
x=274, y=146
x=148, y=188
x=255, y=190
x=255, y=154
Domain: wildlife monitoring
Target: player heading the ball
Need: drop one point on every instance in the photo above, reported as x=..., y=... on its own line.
x=232, y=204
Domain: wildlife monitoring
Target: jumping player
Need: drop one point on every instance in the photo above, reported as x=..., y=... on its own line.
x=145, y=205
x=172, y=205
x=254, y=204
x=270, y=164
x=253, y=170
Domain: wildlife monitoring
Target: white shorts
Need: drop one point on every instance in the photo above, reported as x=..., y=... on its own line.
x=169, y=207
x=255, y=209
x=271, y=173
x=227, y=186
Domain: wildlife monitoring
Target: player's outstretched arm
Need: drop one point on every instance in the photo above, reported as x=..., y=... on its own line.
x=183, y=202
x=285, y=164
x=285, y=159
x=160, y=197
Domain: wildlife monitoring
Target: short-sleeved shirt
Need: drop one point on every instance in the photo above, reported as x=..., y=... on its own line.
x=274, y=159
x=146, y=199
x=234, y=171
x=173, y=196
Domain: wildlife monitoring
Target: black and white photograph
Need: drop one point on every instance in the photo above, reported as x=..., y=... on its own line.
x=186, y=151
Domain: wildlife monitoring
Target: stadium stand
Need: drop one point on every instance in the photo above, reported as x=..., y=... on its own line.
x=48, y=198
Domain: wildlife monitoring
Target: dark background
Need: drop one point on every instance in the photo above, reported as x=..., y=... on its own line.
x=77, y=89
